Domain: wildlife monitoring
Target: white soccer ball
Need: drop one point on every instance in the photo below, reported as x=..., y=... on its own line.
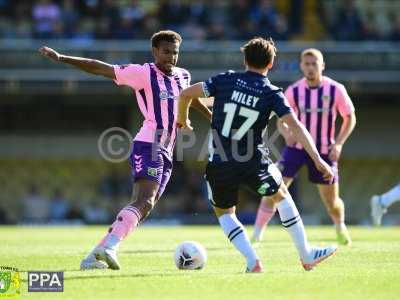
x=190, y=256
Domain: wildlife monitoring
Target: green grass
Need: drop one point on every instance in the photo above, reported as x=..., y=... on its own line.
x=370, y=269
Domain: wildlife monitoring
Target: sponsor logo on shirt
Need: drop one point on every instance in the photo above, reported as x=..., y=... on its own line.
x=326, y=97
x=165, y=95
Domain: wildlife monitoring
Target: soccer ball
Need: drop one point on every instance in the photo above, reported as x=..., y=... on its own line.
x=190, y=256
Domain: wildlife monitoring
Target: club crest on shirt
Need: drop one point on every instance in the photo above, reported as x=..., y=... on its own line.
x=164, y=95
x=326, y=97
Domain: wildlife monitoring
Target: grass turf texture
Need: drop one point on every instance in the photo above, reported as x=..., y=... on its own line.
x=370, y=269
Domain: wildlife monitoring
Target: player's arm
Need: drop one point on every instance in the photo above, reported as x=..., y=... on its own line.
x=285, y=131
x=185, y=99
x=347, y=127
x=302, y=136
x=89, y=65
x=201, y=108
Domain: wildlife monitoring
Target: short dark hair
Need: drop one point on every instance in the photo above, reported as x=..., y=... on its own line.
x=259, y=52
x=165, y=36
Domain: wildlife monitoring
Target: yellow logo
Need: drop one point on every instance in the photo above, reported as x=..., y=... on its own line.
x=10, y=282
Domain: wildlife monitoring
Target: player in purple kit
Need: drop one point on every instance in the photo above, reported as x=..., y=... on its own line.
x=316, y=100
x=157, y=86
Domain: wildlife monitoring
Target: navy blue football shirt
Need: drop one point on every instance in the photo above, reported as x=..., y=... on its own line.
x=243, y=103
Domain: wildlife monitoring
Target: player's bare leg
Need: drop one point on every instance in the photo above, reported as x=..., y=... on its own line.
x=144, y=197
x=334, y=204
x=237, y=235
x=265, y=212
x=291, y=220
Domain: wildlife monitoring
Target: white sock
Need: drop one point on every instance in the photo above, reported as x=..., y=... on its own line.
x=291, y=220
x=340, y=226
x=391, y=196
x=235, y=232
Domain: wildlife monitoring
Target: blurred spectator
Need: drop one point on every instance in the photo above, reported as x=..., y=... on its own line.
x=131, y=18
x=69, y=18
x=5, y=7
x=197, y=12
x=109, y=19
x=46, y=15
x=95, y=212
x=84, y=32
x=348, y=24
x=197, y=20
x=218, y=21
x=36, y=206
x=115, y=184
x=395, y=34
x=239, y=13
x=59, y=206
x=296, y=14
x=265, y=16
x=172, y=14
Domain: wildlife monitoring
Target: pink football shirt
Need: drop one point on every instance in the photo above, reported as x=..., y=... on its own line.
x=157, y=95
x=317, y=109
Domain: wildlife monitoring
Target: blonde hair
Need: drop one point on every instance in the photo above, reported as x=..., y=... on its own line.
x=313, y=52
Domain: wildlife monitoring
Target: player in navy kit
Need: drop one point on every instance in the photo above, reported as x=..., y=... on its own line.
x=243, y=102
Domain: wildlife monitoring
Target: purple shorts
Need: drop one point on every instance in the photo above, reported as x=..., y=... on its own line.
x=293, y=159
x=152, y=163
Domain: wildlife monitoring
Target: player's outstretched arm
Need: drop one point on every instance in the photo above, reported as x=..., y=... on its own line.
x=302, y=136
x=89, y=65
x=185, y=99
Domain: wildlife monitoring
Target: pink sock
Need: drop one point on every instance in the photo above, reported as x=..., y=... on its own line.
x=127, y=219
x=264, y=214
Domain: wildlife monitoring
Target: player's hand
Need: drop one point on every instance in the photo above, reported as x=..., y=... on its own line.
x=325, y=169
x=50, y=53
x=184, y=124
x=334, y=152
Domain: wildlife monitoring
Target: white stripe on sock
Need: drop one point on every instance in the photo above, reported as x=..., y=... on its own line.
x=229, y=222
x=287, y=211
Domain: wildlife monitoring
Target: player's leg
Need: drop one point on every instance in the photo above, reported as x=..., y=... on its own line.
x=237, y=235
x=149, y=177
x=267, y=181
x=265, y=212
x=291, y=162
x=329, y=193
x=223, y=187
x=143, y=200
x=334, y=204
x=291, y=220
x=380, y=203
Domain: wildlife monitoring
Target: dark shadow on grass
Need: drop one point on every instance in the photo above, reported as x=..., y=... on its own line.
x=133, y=275
x=143, y=251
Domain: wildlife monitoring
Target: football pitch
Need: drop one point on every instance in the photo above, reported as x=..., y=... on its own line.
x=370, y=269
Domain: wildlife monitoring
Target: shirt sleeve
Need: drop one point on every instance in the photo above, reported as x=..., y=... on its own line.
x=290, y=99
x=343, y=102
x=281, y=105
x=132, y=75
x=210, y=86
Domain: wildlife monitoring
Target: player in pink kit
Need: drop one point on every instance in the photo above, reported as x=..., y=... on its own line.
x=157, y=86
x=316, y=100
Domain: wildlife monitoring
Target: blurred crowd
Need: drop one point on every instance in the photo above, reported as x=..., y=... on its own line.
x=185, y=196
x=86, y=20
